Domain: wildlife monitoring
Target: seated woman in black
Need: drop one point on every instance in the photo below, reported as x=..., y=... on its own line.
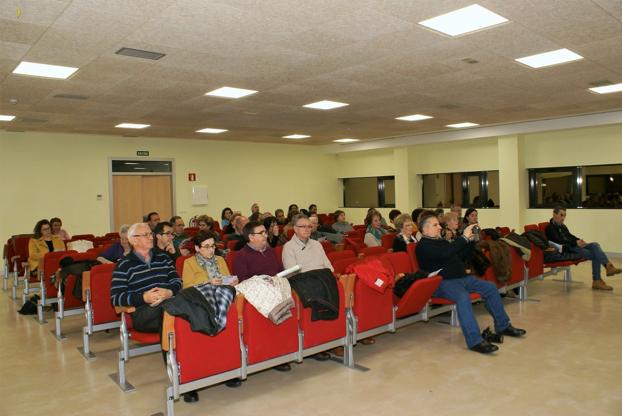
x=406, y=227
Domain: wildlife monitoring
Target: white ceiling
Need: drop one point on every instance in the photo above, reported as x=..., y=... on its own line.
x=371, y=54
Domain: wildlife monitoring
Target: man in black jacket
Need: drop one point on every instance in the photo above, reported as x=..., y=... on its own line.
x=560, y=234
x=437, y=254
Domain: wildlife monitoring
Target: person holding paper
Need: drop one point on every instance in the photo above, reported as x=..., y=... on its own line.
x=205, y=265
x=434, y=253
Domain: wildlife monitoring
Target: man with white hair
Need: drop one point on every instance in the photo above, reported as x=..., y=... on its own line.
x=144, y=279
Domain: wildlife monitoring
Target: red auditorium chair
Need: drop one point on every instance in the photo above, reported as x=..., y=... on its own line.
x=187, y=365
x=278, y=251
x=145, y=343
x=68, y=304
x=112, y=236
x=327, y=246
x=266, y=344
x=340, y=265
x=179, y=264
x=517, y=279
x=353, y=243
x=372, y=251
x=89, y=237
x=290, y=233
x=231, y=244
x=191, y=231
x=387, y=240
x=99, y=312
x=339, y=255
x=229, y=260
x=20, y=261
x=48, y=266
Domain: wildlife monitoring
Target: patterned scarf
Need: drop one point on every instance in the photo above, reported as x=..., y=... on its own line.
x=376, y=232
x=210, y=266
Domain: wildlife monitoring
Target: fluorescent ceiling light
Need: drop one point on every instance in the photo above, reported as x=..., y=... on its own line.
x=296, y=136
x=465, y=20
x=558, y=56
x=462, y=125
x=6, y=117
x=414, y=117
x=230, y=92
x=132, y=126
x=131, y=163
x=212, y=131
x=140, y=168
x=346, y=140
x=325, y=105
x=44, y=70
x=607, y=89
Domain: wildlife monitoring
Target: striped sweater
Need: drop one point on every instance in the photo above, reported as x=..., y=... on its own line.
x=132, y=277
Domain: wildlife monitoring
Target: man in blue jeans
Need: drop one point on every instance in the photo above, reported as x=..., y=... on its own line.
x=557, y=232
x=435, y=253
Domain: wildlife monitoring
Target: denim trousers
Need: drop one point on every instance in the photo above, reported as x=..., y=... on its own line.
x=593, y=252
x=457, y=290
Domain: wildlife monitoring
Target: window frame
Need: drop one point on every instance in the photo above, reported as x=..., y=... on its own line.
x=380, y=191
x=466, y=195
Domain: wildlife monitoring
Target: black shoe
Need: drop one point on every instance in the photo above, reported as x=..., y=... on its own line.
x=283, y=367
x=236, y=382
x=484, y=347
x=321, y=356
x=491, y=337
x=510, y=331
x=191, y=397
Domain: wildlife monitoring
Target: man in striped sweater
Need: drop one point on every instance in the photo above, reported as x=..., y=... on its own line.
x=144, y=279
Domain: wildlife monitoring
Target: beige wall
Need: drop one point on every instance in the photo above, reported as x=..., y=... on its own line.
x=47, y=175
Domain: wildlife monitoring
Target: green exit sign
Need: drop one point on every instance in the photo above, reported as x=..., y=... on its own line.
x=142, y=153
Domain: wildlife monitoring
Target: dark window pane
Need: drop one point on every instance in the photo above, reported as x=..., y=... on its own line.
x=602, y=186
x=141, y=166
x=554, y=188
x=369, y=192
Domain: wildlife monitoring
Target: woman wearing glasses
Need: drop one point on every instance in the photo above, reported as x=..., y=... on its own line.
x=41, y=243
x=205, y=265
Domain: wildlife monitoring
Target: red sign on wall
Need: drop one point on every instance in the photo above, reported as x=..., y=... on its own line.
x=192, y=177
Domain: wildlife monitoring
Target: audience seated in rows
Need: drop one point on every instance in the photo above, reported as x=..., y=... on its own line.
x=256, y=257
x=205, y=266
x=340, y=225
x=225, y=217
x=117, y=250
x=153, y=218
x=41, y=243
x=436, y=254
x=405, y=228
x=375, y=230
x=560, y=234
x=275, y=236
x=57, y=229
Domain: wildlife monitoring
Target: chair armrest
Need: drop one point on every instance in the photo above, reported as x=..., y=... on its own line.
x=86, y=284
x=239, y=306
x=339, y=247
x=168, y=327
x=126, y=309
x=347, y=280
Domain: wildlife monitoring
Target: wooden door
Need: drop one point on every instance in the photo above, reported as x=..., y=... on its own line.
x=137, y=195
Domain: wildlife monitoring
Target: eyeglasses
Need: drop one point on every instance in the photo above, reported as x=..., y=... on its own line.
x=146, y=235
x=308, y=227
x=45, y=228
x=264, y=232
x=167, y=233
x=208, y=246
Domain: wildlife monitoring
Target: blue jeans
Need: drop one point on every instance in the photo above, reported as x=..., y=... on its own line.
x=593, y=252
x=457, y=290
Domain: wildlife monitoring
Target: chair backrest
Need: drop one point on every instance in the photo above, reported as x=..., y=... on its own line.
x=290, y=233
x=360, y=227
x=354, y=244
x=400, y=262
x=387, y=240
x=179, y=264
x=20, y=246
x=322, y=218
x=327, y=246
x=410, y=249
x=339, y=255
x=535, y=265
x=101, y=280
x=372, y=251
x=70, y=300
x=503, y=231
x=542, y=226
x=216, y=226
x=51, y=263
x=191, y=231
x=531, y=227
x=76, y=237
x=229, y=260
x=115, y=235
x=417, y=296
x=340, y=265
x=231, y=244
x=278, y=251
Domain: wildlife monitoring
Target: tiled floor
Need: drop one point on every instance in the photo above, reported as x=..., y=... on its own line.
x=569, y=364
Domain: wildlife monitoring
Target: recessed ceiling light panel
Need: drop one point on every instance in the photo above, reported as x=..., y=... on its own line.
x=414, y=117
x=325, y=105
x=132, y=126
x=4, y=117
x=43, y=70
x=230, y=92
x=559, y=56
x=462, y=125
x=346, y=140
x=607, y=89
x=211, y=131
x=296, y=136
x=465, y=20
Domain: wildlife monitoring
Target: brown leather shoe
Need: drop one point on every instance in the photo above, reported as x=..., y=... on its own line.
x=368, y=341
x=611, y=270
x=337, y=351
x=600, y=285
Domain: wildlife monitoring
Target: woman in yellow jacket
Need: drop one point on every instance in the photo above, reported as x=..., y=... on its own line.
x=204, y=266
x=42, y=242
